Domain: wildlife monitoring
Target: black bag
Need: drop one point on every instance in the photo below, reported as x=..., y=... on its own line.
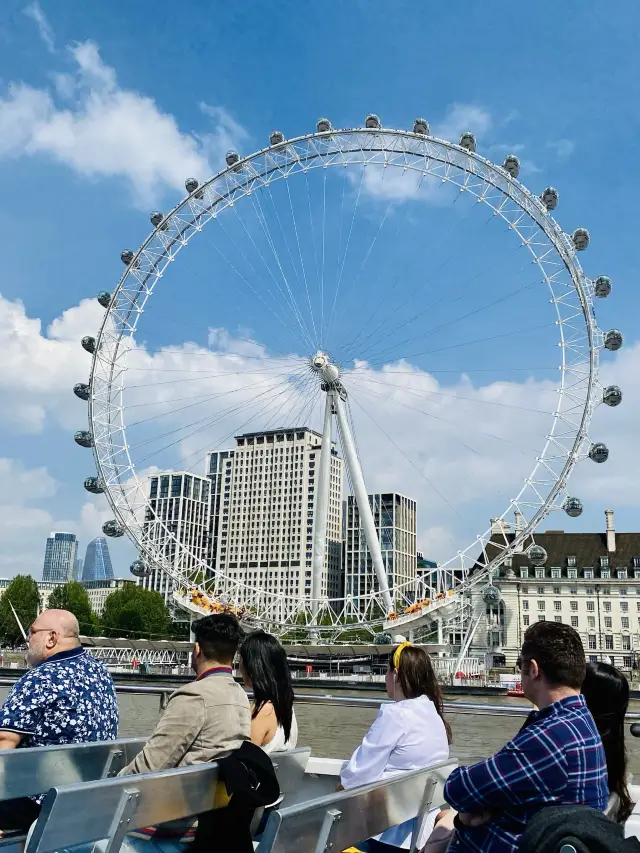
x=585, y=829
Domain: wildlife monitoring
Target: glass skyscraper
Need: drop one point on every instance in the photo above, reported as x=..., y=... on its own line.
x=60, y=557
x=97, y=561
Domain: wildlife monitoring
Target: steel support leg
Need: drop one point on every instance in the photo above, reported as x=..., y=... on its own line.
x=321, y=508
x=362, y=500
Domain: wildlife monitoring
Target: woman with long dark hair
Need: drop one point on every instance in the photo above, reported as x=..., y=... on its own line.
x=606, y=692
x=408, y=734
x=265, y=671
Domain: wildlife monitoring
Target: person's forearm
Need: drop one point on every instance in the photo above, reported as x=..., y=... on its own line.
x=9, y=740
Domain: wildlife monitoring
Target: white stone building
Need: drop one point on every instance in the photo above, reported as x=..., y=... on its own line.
x=394, y=516
x=98, y=591
x=177, y=525
x=263, y=499
x=589, y=580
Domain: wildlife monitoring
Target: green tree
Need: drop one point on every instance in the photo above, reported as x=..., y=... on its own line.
x=23, y=593
x=72, y=596
x=134, y=611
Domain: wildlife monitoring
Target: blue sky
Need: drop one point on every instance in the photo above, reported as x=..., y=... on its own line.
x=106, y=108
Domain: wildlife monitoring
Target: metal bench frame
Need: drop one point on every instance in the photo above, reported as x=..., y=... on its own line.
x=33, y=770
x=109, y=808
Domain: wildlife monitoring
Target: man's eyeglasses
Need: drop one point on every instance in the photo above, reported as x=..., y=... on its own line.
x=33, y=631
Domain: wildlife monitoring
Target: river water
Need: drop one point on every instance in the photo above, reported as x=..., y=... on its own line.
x=334, y=732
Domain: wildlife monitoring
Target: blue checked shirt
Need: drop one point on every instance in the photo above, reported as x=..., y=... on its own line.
x=556, y=758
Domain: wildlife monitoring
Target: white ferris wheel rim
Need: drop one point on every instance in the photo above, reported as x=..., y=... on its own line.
x=525, y=214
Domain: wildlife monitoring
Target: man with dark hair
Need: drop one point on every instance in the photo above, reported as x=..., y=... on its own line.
x=208, y=718
x=555, y=759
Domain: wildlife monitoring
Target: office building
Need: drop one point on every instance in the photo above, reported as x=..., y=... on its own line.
x=77, y=572
x=590, y=581
x=394, y=517
x=262, y=499
x=97, y=561
x=176, y=526
x=99, y=590
x=60, y=557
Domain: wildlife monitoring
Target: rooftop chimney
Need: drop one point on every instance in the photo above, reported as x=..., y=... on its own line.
x=611, y=533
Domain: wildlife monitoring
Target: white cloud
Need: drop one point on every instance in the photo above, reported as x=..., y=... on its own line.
x=45, y=32
x=91, y=124
x=461, y=117
x=563, y=148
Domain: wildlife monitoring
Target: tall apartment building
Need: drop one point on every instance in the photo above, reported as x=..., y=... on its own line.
x=589, y=580
x=177, y=526
x=263, y=500
x=394, y=516
x=60, y=557
x=97, y=561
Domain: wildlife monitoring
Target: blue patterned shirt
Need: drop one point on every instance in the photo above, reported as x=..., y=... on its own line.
x=68, y=698
x=555, y=759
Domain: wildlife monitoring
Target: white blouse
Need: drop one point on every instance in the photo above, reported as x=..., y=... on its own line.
x=404, y=736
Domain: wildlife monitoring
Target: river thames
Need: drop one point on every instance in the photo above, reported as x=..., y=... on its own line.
x=334, y=731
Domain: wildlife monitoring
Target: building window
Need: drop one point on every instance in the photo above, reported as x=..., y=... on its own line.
x=624, y=622
x=606, y=606
x=624, y=607
x=542, y=617
x=556, y=590
x=557, y=605
x=540, y=590
x=592, y=641
x=525, y=620
x=542, y=605
x=607, y=622
x=604, y=562
x=574, y=606
x=591, y=606
x=539, y=573
x=524, y=573
x=571, y=562
x=627, y=661
x=622, y=574
x=525, y=604
x=525, y=590
x=555, y=574
x=588, y=574
x=572, y=573
x=574, y=621
x=557, y=618
x=608, y=642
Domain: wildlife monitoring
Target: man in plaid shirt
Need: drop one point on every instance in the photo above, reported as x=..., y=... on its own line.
x=556, y=757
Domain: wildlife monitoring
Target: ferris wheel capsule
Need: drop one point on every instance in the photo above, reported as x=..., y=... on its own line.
x=549, y=197
x=140, y=569
x=491, y=594
x=276, y=137
x=81, y=390
x=468, y=141
x=573, y=507
x=421, y=126
x=323, y=125
x=372, y=122
x=580, y=239
x=232, y=158
x=83, y=437
x=158, y=221
x=104, y=298
x=613, y=340
x=112, y=528
x=537, y=555
x=94, y=485
x=126, y=257
x=88, y=343
x=512, y=165
x=602, y=286
x=612, y=395
x=599, y=452
x=191, y=185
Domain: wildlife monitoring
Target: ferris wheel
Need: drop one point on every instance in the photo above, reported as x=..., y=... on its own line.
x=403, y=299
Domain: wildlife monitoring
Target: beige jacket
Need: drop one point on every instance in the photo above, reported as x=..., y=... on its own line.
x=202, y=721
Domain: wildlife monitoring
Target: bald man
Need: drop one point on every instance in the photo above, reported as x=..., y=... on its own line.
x=66, y=697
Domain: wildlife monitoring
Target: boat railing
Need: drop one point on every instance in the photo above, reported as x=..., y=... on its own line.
x=318, y=698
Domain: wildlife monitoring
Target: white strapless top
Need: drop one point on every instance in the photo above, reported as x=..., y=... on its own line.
x=278, y=743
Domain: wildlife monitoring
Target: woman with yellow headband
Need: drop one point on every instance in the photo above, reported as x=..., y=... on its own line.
x=407, y=734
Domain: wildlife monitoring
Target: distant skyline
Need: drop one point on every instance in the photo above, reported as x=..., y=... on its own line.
x=97, y=561
x=60, y=557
